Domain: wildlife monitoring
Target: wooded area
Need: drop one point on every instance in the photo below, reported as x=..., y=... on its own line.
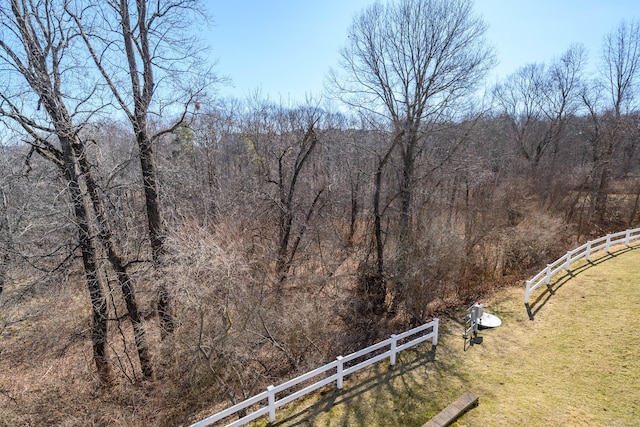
x=168, y=251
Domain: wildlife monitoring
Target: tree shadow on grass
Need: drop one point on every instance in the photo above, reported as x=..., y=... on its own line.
x=390, y=390
x=543, y=298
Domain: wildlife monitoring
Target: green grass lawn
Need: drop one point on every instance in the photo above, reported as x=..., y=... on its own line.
x=576, y=364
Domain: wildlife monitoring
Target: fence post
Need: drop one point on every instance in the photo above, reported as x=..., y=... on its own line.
x=606, y=247
x=339, y=372
x=548, y=278
x=434, y=339
x=567, y=266
x=627, y=237
x=526, y=291
x=588, y=253
x=392, y=357
x=271, y=397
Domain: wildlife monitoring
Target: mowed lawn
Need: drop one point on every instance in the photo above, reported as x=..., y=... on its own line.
x=576, y=364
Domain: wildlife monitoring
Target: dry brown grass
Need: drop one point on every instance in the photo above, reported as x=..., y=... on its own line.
x=44, y=361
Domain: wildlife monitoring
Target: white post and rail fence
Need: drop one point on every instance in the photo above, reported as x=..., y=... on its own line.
x=564, y=263
x=268, y=401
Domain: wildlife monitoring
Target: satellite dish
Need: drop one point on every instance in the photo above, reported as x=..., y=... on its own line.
x=489, y=321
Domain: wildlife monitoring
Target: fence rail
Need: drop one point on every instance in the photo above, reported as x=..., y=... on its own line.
x=584, y=251
x=338, y=371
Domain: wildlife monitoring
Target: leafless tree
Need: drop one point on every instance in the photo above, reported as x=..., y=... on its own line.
x=37, y=47
x=282, y=141
x=155, y=41
x=611, y=100
x=33, y=47
x=537, y=101
x=412, y=63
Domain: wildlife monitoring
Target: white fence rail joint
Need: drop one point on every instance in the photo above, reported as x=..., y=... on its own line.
x=334, y=371
x=585, y=251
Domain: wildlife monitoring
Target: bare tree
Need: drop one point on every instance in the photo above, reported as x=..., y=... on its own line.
x=282, y=141
x=155, y=41
x=537, y=101
x=39, y=53
x=412, y=63
x=33, y=47
x=610, y=101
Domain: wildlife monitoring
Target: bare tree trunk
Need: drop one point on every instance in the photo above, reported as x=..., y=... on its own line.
x=406, y=194
x=152, y=204
x=98, y=303
x=5, y=240
x=286, y=251
x=355, y=208
x=115, y=259
x=405, y=232
x=377, y=217
x=89, y=261
x=142, y=94
x=377, y=220
x=154, y=221
x=66, y=160
x=601, y=195
x=136, y=320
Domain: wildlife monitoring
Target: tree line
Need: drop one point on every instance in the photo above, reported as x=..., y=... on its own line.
x=260, y=236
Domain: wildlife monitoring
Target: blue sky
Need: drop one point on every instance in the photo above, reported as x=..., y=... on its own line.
x=285, y=48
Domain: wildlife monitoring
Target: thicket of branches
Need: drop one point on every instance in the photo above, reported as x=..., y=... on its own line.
x=268, y=238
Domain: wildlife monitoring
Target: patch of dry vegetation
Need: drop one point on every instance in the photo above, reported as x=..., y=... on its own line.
x=236, y=332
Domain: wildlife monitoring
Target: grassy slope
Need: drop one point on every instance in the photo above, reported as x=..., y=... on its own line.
x=575, y=364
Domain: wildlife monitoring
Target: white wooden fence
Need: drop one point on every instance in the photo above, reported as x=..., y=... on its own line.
x=584, y=251
x=395, y=343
